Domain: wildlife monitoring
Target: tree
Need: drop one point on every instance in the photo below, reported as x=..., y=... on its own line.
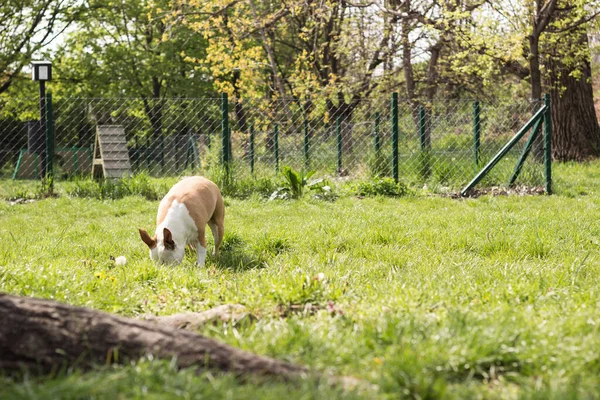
x=325, y=54
x=576, y=133
x=285, y=48
x=126, y=49
x=28, y=26
x=540, y=41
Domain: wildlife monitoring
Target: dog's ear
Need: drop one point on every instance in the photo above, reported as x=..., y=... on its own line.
x=150, y=242
x=168, y=239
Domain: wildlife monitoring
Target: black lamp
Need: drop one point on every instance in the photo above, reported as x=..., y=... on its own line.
x=41, y=71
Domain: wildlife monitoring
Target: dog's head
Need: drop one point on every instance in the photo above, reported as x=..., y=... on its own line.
x=163, y=249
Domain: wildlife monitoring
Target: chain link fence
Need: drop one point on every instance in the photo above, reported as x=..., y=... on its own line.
x=441, y=144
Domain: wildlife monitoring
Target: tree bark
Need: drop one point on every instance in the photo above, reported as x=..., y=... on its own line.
x=575, y=130
x=43, y=335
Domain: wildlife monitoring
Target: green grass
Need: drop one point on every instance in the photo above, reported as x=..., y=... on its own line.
x=426, y=297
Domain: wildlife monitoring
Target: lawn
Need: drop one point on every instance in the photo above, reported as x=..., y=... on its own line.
x=423, y=296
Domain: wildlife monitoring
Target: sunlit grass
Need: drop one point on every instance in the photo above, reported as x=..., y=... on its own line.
x=427, y=297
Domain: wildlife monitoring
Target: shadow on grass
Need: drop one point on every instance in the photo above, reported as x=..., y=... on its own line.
x=236, y=255
x=240, y=259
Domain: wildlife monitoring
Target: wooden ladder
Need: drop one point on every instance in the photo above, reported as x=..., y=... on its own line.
x=111, y=157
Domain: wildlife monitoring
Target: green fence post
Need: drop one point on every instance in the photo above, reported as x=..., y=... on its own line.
x=21, y=152
x=425, y=141
x=306, y=143
x=49, y=140
x=252, y=149
x=422, y=126
x=338, y=133
x=377, y=139
x=229, y=149
x=548, y=144
x=525, y=152
x=476, y=132
x=225, y=156
x=276, y=146
x=395, y=134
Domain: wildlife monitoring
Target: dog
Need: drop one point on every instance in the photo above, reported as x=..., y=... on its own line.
x=183, y=214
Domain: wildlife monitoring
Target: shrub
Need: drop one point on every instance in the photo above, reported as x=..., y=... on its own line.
x=137, y=185
x=379, y=165
x=296, y=180
x=235, y=186
x=380, y=187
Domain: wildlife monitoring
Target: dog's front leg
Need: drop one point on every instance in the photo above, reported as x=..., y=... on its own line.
x=201, y=250
x=201, y=255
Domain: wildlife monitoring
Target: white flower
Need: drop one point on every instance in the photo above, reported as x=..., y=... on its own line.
x=121, y=260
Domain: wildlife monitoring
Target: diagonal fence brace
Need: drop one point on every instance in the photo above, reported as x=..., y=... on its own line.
x=538, y=116
x=526, y=150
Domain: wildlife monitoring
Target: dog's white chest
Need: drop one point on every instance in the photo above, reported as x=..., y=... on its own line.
x=179, y=221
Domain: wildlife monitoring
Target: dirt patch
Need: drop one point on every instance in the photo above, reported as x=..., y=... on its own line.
x=500, y=191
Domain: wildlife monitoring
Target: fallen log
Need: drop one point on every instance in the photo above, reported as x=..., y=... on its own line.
x=43, y=335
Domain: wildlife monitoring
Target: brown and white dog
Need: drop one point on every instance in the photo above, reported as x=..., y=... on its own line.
x=183, y=214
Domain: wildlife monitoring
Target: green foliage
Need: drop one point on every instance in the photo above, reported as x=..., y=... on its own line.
x=296, y=183
x=137, y=185
x=296, y=180
x=233, y=185
x=424, y=164
x=303, y=289
x=380, y=187
x=46, y=187
x=130, y=49
x=151, y=378
x=379, y=165
x=28, y=26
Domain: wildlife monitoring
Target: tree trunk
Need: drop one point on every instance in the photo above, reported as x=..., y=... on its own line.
x=409, y=77
x=154, y=111
x=535, y=75
x=44, y=335
x=575, y=130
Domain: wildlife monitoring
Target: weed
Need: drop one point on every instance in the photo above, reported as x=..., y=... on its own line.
x=380, y=187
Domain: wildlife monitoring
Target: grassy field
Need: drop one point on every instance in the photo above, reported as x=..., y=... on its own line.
x=423, y=296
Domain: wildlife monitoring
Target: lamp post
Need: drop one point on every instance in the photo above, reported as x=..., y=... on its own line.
x=41, y=71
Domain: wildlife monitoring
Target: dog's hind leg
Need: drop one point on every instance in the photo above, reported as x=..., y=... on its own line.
x=217, y=224
x=217, y=233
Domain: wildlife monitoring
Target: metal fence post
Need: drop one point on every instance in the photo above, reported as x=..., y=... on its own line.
x=49, y=125
x=476, y=132
x=377, y=139
x=276, y=146
x=395, y=133
x=229, y=150
x=548, y=144
x=252, y=149
x=338, y=131
x=306, y=143
x=225, y=156
x=422, y=126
